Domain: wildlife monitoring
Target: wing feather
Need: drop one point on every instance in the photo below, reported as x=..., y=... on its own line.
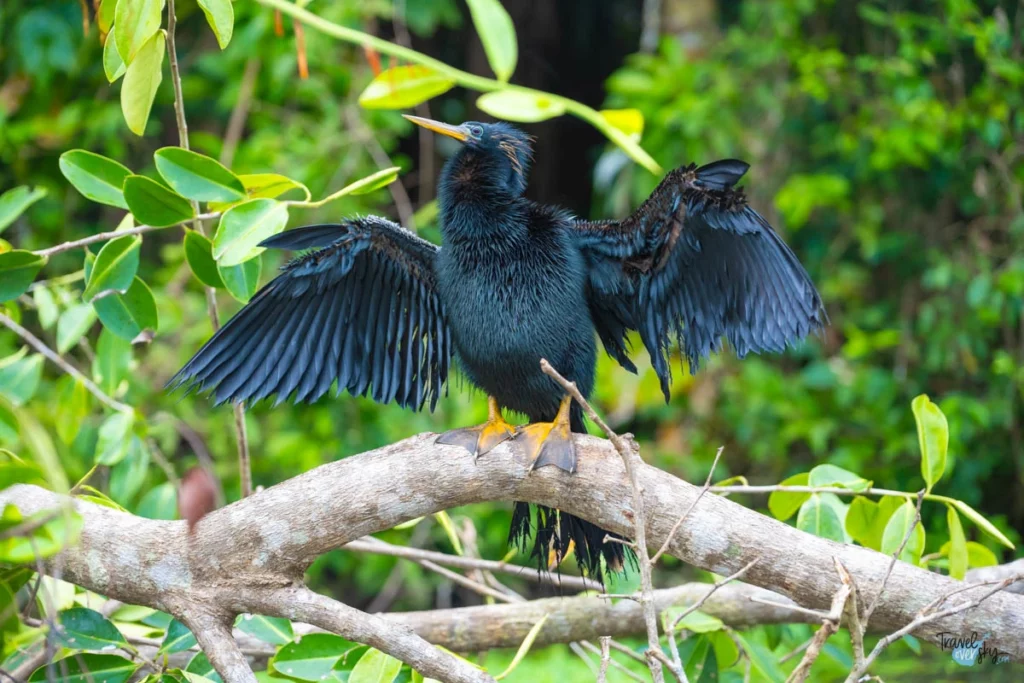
x=361, y=311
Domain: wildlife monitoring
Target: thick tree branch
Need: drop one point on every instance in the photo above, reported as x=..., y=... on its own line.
x=268, y=539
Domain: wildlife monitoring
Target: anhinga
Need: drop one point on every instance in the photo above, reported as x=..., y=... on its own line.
x=378, y=311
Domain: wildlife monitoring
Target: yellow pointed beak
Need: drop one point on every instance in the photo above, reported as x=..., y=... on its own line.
x=458, y=132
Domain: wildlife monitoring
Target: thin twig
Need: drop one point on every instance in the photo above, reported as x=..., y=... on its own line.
x=830, y=624
x=892, y=562
x=625, y=450
x=718, y=584
x=606, y=658
x=817, y=614
x=104, y=236
x=678, y=524
x=240, y=112
x=38, y=344
x=590, y=647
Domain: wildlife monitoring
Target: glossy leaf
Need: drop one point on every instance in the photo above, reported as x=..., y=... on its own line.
x=403, y=87
x=311, y=658
x=762, y=659
x=980, y=556
x=114, y=268
x=13, y=203
x=96, y=177
x=74, y=322
x=178, y=638
x=958, y=559
x=273, y=630
x=105, y=15
x=819, y=518
x=72, y=407
x=498, y=35
x=861, y=522
x=113, y=66
x=19, y=378
x=136, y=22
x=153, y=204
x=983, y=524
x=782, y=504
x=114, y=438
x=46, y=307
x=17, y=270
x=82, y=628
x=220, y=15
x=896, y=530
x=244, y=226
x=830, y=475
x=141, y=81
x=263, y=186
x=932, y=437
x=132, y=315
x=200, y=664
x=128, y=476
x=376, y=667
x=199, y=254
x=196, y=176
x=112, y=361
x=49, y=534
x=241, y=281
x=86, y=668
x=522, y=107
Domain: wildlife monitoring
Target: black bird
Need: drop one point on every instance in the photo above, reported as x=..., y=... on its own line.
x=381, y=312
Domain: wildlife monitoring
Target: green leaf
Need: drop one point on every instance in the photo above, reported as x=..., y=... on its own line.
x=86, y=668
x=46, y=307
x=241, y=281
x=726, y=651
x=113, y=66
x=85, y=629
x=14, y=202
x=178, y=639
x=141, y=81
x=74, y=322
x=896, y=530
x=96, y=177
x=220, y=15
x=17, y=270
x=982, y=523
x=153, y=204
x=521, y=653
x=132, y=315
x=819, y=518
x=115, y=267
x=200, y=664
x=273, y=630
x=114, y=438
x=498, y=35
x=762, y=659
x=105, y=15
x=782, y=504
x=196, y=176
x=629, y=121
x=112, y=362
x=263, y=186
x=957, y=544
x=933, y=438
x=244, y=226
x=46, y=539
x=696, y=621
x=20, y=379
x=199, y=254
x=160, y=502
x=980, y=556
x=137, y=21
x=311, y=658
x=861, y=522
x=377, y=667
x=522, y=107
x=830, y=475
x=72, y=407
x=128, y=476
x=403, y=87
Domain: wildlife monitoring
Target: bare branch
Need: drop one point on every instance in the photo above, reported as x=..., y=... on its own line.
x=606, y=658
x=718, y=584
x=38, y=344
x=105, y=236
x=892, y=561
x=828, y=627
x=213, y=634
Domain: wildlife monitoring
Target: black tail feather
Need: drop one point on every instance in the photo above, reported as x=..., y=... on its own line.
x=540, y=530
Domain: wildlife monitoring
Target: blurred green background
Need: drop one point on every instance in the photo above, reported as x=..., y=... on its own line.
x=886, y=143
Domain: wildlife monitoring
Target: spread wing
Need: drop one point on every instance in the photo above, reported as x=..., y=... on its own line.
x=696, y=262
x=361, y=310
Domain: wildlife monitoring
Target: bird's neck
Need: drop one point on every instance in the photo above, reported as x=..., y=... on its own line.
x=473, y=213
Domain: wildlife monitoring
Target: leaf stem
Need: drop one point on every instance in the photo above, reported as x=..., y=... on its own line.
x=113, y=234
x=466, y=79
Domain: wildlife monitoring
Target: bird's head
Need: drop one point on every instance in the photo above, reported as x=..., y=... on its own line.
x=495, y=157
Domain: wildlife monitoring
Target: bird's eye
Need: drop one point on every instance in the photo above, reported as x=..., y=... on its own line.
x=476, y=131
